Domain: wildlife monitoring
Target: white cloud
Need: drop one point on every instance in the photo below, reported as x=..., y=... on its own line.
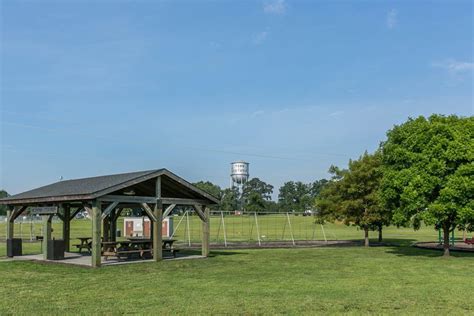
x=392, y=18
x=260, y=37
x=274, y=7
x=454, y=66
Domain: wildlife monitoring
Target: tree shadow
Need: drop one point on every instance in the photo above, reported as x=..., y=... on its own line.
x=406, y=247
x=212, y=253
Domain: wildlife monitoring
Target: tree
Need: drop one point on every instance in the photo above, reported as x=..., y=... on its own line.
x=352, y=195
x=254, y=194
x=3, y=208
x=316, y=187
x=255, y=202
x=295, y=196
x=429, y=173
x=212, y=189
x=230, y=200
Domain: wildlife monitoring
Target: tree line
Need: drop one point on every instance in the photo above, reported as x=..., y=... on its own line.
x=422, y=173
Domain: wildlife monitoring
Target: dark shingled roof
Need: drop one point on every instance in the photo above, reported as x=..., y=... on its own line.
x=89, y=188
x=84, y=186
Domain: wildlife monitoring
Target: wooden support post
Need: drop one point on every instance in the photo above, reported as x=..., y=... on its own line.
x=106, y=228
x=67, y=227
x=10, y=224
x=46, y=234
x=113, y=226
x=205, y=232
x=157, y=227
x=96, y=233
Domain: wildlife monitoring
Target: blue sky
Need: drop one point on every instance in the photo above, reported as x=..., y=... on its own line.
x=100, y=87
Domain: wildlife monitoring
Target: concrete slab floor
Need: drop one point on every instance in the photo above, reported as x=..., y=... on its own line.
x=85, y=260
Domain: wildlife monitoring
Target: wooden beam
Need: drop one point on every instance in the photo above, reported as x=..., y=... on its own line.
x=213, y=200
x=46, y=234
x=149, y=212
x=71, y=217
x=118, y=213
x=113, y=226
x=96, y=234
x=10, y=224
x=17, y=212
x=157, y=226
x=109, y=209
x=61, y=217
x=200, y=212
x=66, y=226
x=179, y=201
x=47, y=200
x=205, y=233
x=127, y=199
x=168, y=210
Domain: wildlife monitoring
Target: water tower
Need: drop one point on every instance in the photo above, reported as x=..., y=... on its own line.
x=239, y=174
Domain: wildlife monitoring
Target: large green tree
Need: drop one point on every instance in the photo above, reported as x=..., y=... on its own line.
x=352, y=195
x=294, y=197
x=254, y=194
x=212, y=189
x=316, y=187
x=429, y=173
x=3, y=208
x=230, y=200
x=298, y=196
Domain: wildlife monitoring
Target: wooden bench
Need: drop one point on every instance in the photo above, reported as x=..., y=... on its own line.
x=82, y=246
x=173, y=251
x=120, y=253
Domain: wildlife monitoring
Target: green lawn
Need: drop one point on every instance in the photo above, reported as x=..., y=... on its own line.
x=380, y=280
x=238, y=228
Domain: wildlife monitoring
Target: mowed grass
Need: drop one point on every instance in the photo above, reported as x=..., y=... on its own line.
x=355, y=280
x=237, y=228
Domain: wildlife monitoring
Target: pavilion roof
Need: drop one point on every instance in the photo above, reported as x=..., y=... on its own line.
x=95, y=187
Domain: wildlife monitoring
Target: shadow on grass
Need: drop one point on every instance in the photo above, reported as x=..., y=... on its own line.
x=213, y=253
x=404, y=249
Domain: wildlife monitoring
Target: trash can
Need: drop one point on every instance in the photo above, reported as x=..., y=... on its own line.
x=56, y=248
x=14, y=247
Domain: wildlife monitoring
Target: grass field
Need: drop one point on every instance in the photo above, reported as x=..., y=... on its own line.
x=238, y=228
x=354, y=280
x=380, y=280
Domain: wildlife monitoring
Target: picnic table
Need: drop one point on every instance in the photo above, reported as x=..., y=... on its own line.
x=135, y=246
x=127, y=248
x=86, y=243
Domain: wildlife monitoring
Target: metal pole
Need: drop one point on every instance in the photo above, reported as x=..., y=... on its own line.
x=218, y=231
x=291, y=230
x=189, y=233
x=314, y=231
x=283, y=233
x=258, y=232
x=176, y=228
x=31, y=229
x=324, y=234
x=223, y=227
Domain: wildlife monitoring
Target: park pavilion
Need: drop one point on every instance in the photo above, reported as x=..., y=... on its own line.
x=156, y=192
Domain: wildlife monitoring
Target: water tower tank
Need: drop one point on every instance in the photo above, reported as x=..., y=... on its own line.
x=239, y=172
